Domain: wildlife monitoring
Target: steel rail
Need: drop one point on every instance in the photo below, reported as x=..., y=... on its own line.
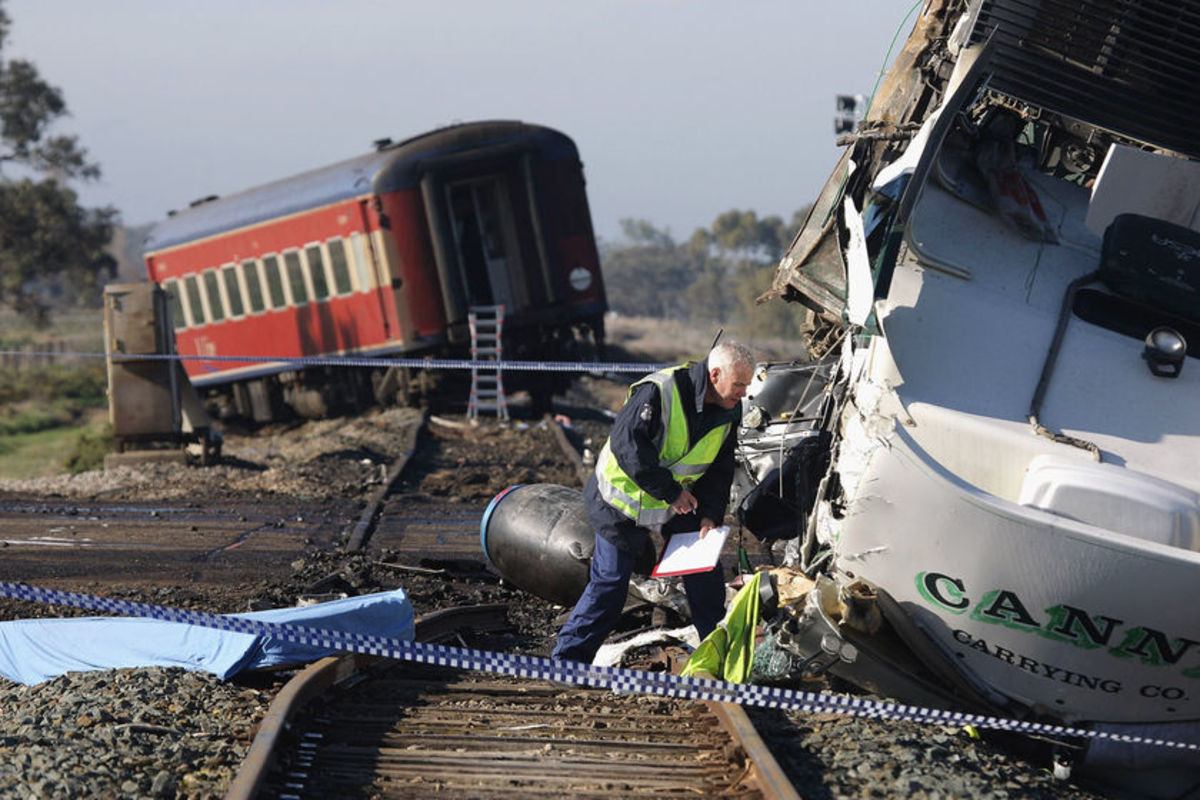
x=473, y=736
x=766, y=771
x=370, y=513
x=321, y=676
x=761, y=770
x=568, y=449
x=366, y=521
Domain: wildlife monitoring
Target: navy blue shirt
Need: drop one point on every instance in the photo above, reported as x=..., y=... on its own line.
x=632, y=443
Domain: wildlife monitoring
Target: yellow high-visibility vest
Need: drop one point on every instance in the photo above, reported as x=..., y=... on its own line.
x=728, y=652
x=687, y=464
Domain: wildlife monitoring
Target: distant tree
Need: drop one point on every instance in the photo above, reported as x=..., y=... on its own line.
x=44, y=233
x=775, y=319
x=712, y=279
x=748, y=238
x=793, y=227
x=708, y=297
x=648, y=277
x=643, y=234
x=699, y=247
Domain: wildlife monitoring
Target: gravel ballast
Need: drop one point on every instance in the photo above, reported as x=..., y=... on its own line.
x=125, y=734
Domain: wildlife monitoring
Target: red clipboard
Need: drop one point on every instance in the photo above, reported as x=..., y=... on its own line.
x=687, y=553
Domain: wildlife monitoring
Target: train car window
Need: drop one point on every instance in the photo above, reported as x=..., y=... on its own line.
x=316, y=269
x=192, y=289
x=233, y=291
x=360, y=262
x=178, y=317
x=212, y=291
x=253, y=288
x=274, y=281
x=337, y=263
x=295, y=275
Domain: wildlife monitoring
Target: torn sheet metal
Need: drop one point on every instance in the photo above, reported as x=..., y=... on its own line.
x=610, y=655
x=860, y=293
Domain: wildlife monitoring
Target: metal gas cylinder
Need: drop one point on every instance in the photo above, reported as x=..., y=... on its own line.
x=537, y=536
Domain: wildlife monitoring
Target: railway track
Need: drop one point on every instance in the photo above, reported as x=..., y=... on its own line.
x=475, y=734
x=359, y=727
x=236, y=539
x=58, y=540
x=434, y=532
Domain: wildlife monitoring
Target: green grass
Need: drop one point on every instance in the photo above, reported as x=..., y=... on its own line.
x=94, y=442
x=54, y=418
x=42, y=453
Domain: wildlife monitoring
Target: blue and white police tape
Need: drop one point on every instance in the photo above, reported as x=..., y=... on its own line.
x=356, y=361
x=616, y=678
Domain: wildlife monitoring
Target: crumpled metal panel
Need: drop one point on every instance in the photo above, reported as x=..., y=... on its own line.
x=813, y=269
x=1129, y=66
x=813, y=265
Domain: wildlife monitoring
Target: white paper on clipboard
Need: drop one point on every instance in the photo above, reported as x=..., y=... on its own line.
x=686, y=553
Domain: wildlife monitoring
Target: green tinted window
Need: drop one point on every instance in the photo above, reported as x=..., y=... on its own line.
x=274, y=281
x=213, y=292
x=233, y=291
x=253, y=287
x=316, y=268
x=295, y=276
x=192, y=289
x=178, y=320
x=341, y=270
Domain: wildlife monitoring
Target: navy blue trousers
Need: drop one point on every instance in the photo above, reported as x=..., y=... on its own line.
x=597, y=612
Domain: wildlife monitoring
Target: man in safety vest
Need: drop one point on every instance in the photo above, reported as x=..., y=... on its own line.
x=667, y=465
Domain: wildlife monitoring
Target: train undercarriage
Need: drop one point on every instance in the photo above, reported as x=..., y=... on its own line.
x=322, y=391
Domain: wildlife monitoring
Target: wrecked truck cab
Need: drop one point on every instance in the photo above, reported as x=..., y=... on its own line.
x=1003, y=265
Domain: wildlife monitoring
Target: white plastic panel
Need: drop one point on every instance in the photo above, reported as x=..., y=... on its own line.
x=1114, y=498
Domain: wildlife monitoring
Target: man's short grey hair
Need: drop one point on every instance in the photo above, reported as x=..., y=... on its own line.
x=728, y=355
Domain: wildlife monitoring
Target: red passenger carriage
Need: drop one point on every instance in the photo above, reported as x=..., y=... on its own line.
x=385, y=254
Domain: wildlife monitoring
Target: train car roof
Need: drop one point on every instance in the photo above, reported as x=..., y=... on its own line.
x=391, y=168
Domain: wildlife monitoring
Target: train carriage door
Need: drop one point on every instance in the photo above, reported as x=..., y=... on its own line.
x=485, y=239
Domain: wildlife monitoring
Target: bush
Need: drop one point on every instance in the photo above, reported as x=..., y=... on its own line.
x=29, y=417
x=86, y=383
x=90, y=449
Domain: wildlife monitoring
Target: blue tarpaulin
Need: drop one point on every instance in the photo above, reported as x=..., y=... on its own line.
x=36, y=650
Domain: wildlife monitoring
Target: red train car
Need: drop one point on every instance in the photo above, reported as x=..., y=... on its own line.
x=384, y=254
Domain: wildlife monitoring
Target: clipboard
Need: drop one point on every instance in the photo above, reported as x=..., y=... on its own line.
x=687, y=553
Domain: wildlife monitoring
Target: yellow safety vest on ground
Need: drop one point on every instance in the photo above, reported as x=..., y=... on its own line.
x=728, y=652
x=687, y=464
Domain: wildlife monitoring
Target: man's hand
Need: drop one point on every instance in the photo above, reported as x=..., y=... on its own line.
x=685, y=503
x=706, y=525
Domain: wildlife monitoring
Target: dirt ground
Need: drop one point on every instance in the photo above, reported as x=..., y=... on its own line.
x=342, y=462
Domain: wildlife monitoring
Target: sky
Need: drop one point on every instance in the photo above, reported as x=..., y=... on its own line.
x=681, y=109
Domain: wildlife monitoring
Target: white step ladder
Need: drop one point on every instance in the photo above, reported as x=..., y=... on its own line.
x=487, y=384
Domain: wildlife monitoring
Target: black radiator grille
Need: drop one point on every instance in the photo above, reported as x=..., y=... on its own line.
x=1130, y=66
